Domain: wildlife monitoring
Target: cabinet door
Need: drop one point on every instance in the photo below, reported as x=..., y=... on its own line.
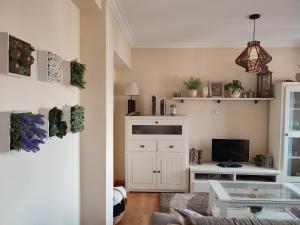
x=172, y=171
x=292, y=135
x=141, y=168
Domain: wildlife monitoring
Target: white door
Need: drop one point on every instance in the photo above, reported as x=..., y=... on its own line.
x=172, y=171
x=291, y=163
x=141, y=173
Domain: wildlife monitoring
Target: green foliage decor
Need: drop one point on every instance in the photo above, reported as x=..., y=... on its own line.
x=192, y=83
x=57, y=127
x=77, y=74
x=235, y=85
x=77, y=119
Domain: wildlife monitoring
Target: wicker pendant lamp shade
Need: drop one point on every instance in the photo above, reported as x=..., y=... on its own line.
x=254, y=56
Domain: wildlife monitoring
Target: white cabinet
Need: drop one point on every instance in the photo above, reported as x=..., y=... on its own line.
x=171, y=171
x=156, y=153
x=284, y=130
x=141, y=167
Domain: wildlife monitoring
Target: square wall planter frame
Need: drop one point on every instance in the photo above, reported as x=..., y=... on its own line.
x=4, y=132
x=67, y=73
x=4, y=56
x=50, y=67
x=65, y=117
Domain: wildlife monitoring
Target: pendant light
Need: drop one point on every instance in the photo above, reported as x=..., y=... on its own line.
x=254, y=56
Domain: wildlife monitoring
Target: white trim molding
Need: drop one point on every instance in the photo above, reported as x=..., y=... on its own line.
x=120, y=15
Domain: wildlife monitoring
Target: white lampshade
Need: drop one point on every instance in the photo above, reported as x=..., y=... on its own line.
x=131, y=89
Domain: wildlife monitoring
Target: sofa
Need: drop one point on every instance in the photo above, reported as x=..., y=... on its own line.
x=165, y=219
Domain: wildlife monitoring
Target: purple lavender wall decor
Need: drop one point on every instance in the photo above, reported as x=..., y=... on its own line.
x=26, y=132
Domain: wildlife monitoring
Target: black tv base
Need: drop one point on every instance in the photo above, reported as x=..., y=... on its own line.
x=229, y=164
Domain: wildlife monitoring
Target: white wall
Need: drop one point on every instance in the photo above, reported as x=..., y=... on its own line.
x=41, y=188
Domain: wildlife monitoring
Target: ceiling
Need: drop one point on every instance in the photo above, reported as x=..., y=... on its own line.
x=208, y=23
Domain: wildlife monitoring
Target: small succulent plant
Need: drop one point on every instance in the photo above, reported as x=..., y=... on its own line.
x=192, y=83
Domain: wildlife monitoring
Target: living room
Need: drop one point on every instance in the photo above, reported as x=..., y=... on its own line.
x=119, y=112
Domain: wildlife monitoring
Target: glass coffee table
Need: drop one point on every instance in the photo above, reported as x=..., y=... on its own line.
x=253, y=199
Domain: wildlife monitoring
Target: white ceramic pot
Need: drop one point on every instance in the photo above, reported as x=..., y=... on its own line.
x=192, y=93
x=204, y=92
x=235, y=94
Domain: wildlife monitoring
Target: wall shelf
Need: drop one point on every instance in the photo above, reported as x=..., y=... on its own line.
x=218, y=100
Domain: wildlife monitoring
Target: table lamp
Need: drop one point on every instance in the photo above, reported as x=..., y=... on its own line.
x=131, y=90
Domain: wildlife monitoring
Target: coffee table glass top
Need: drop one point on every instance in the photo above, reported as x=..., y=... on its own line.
x=260, y=191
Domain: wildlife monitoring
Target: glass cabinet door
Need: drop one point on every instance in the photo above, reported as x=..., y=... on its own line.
x=292, y=134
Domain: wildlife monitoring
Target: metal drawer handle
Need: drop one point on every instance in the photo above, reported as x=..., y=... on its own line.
x=171, y=146
x=142, y=146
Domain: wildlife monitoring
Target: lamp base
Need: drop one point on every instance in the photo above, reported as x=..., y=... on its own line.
x=131, y=106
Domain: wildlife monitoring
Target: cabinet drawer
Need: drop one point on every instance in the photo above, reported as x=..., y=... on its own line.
x=171, y=146
x=142, y=146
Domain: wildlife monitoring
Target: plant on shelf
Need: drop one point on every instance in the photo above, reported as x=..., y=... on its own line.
x=235, y=88
x=77, y=118
x=25, y=131
x=192, y=85
x=77, y=74
x=259, y=159
x=57, y=127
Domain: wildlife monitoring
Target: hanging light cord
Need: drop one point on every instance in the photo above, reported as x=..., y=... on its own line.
x=254, y=31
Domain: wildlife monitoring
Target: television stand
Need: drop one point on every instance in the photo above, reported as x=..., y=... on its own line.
x=200, y=174
x=229, y=164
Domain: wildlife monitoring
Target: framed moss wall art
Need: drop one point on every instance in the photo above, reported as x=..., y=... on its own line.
x=57, y=127
x=77, y=74
x=26, y=132
x=15, y=56
x=77, y=119
x=50, y=67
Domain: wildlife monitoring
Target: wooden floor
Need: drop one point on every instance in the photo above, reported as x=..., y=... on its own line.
x=139, y=208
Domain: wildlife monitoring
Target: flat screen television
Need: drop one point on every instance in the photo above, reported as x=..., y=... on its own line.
x=230, y=150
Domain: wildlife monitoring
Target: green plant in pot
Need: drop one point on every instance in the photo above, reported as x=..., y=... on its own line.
x=77, y=119
x=259, y=159
x=235, y=88
x=192, y=86
x=57, y=127
x=77, y=74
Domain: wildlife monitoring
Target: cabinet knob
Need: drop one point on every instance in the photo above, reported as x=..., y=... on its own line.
x=154, y=171
x=171, y=146
x=142, y=146
x=158, y=171
x=286, y=134
x=156, y=122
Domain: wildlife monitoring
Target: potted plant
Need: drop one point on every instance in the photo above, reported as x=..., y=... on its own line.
x=57, y=127
x=77, y=118
x=26, y=132
x=259, y=160
x=77, y=74
x=192, y=85
x=235, y=88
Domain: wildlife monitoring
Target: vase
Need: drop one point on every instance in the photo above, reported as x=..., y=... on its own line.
x=193, y=93
x=204, y=92
x=235, y=94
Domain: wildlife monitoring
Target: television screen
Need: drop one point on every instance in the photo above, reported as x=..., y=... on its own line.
x=234, y=150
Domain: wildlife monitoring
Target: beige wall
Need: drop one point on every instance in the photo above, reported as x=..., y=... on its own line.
x=40, y=188
x=162, y=71
x=99, y=51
